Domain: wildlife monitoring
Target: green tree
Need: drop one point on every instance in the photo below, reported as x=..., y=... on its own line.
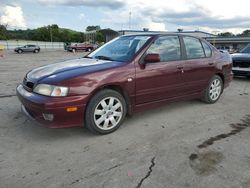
x=226, y=34
x=77, y=37
x=99, y=37
x=43, y=34
x=54, y=31
x=245, y=33
x=93, y=28
x=3, y=33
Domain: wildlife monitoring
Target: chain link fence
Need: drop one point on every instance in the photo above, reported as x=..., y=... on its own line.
x=12, y=44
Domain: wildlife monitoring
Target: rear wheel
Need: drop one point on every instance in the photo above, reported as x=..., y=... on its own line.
x=214, y=90
x=36, y=51
x=105, y=112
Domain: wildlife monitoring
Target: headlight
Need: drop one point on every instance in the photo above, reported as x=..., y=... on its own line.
x=50, y=90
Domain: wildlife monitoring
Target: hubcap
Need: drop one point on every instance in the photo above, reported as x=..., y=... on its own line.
x=215, y=89
x=108, y=113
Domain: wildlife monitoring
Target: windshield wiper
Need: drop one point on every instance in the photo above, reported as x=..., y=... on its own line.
x=102, y=57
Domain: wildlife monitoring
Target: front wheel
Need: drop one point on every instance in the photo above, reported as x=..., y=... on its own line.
x=214, y=90
x=105, y=112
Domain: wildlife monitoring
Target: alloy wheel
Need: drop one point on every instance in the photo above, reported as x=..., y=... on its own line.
x=215, y=89
x=108, y=113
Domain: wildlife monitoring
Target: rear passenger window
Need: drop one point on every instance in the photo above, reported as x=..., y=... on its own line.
x=207, y=49
x=168, y=47
x=194, y=48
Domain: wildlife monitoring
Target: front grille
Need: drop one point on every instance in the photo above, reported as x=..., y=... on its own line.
x=28, y=85
x=241, y=64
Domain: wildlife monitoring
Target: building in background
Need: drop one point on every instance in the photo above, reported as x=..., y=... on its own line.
x=108, y=34
x=231, y=44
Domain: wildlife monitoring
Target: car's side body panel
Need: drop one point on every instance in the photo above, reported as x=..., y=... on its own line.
x=159, y=81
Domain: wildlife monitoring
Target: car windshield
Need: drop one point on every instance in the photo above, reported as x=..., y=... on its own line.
x=245, y=49
x=120, y=49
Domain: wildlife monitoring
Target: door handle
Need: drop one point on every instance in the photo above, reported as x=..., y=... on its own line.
x=180, y=67
x=210, y=63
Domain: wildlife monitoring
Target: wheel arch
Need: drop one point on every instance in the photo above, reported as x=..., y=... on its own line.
x=221, y=76
x=117, y=88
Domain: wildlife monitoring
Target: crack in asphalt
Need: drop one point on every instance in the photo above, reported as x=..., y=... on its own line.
x=150, y=169
x=6, y=96
x=95, y=174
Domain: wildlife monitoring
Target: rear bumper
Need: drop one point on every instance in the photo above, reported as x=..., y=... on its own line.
x=34, y=106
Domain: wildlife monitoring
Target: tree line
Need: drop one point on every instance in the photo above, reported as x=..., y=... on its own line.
x=45, y=33
x=245, y=33
x=57, y=34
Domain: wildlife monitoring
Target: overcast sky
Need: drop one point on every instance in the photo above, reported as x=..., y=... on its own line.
x=206, y=15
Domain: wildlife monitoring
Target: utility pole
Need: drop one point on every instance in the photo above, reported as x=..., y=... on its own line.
x=50, y=34
x=215, y=33
x=129, y=22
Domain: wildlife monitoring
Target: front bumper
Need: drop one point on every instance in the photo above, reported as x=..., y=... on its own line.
x=35, y=105
x=238, y=71
x=228, y=78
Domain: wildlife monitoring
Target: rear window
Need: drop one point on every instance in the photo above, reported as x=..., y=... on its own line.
x=194, y=48
x=207, y=49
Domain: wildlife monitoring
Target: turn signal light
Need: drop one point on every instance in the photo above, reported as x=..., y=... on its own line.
x=71, y=109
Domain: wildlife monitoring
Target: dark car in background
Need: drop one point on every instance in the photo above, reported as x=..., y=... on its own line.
x=241, y=62
x=28, y=48
x=80, y=47
x=126, y=75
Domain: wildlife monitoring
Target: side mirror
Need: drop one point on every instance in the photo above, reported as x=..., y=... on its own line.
x=152, y=58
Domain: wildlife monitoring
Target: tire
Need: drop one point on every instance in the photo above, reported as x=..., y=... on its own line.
x=74, y=50
x=89, y=49
x=214, y=90
x=19, y=51
x=105, y=112
x=36, y=51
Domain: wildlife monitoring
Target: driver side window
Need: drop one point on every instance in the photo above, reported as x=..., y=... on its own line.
x=168, y=47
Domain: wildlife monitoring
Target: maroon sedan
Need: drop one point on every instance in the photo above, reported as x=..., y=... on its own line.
x=81, y=47
x=128, y=74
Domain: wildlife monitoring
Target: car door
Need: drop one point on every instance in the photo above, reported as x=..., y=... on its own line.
x=161, y=80
x=30, y=48
x=25, y=48
x=199, y=66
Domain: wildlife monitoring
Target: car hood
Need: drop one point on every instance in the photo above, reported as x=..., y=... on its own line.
x=241, y=57
x=68, y=69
